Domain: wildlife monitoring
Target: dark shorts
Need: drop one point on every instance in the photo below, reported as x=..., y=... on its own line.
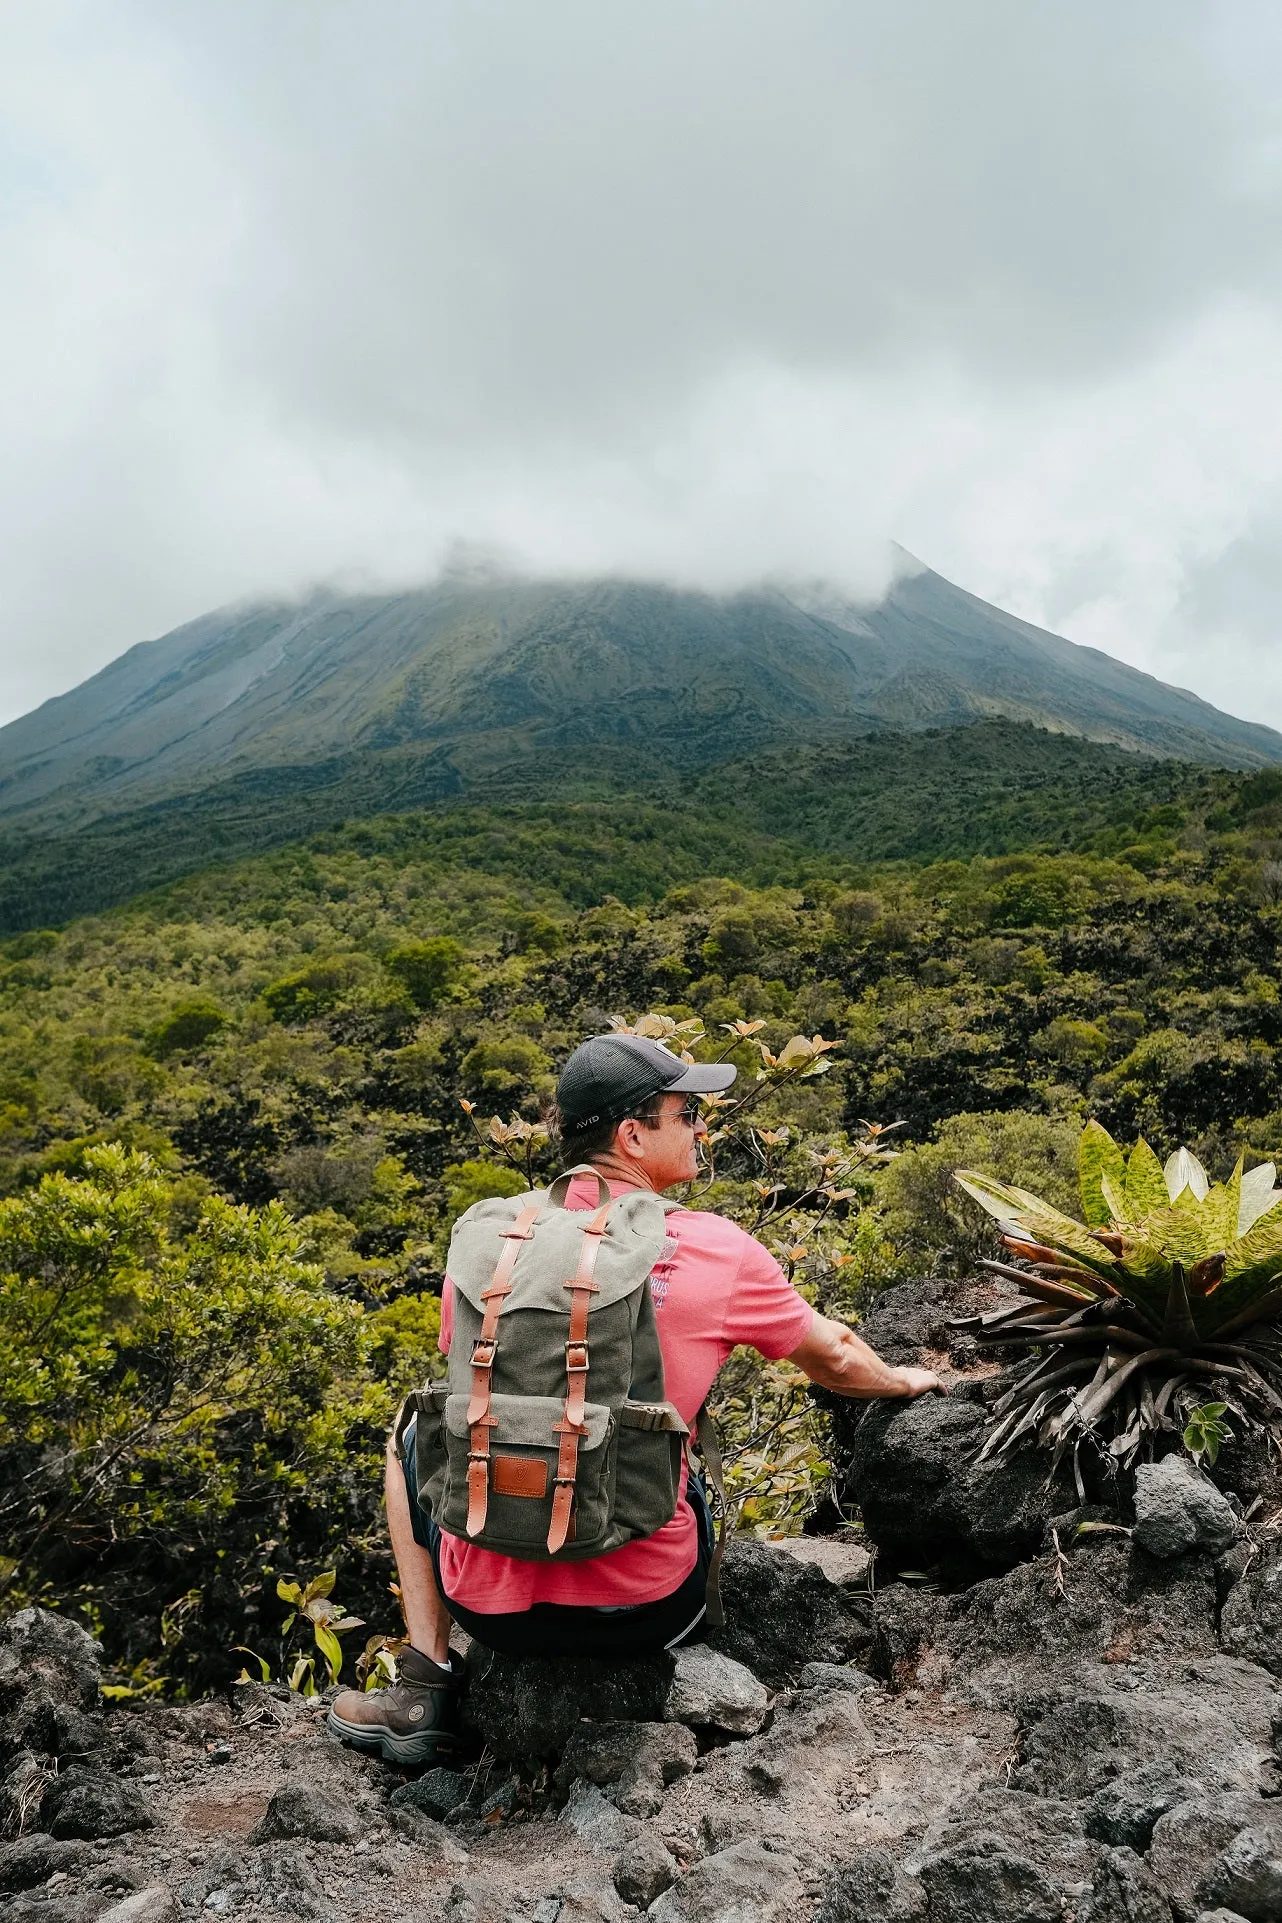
x=571, y=1629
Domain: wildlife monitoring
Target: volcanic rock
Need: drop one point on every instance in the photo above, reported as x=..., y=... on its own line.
x=745, y=1884
x=783, y=1612
x=710, y=1691
x=1178, y=1510
x=644, y=1870
x=308, y=1810
x=637, y=1760
x=527, y=1709
x=871, y=1889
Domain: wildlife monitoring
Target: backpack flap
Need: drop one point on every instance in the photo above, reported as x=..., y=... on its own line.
x=525, y=1449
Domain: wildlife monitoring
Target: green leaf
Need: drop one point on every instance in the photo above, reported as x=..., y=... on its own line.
x=288, y=1592
x=330, y=1648
x=320, y=1586
x=1184, y=1171
x=240, y=1649
x=1097, y=1156
x=1145, y=1183
x=1114, y=1200
x=1036, y=1220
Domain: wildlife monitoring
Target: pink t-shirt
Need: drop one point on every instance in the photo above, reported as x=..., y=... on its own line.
x=713, y=1288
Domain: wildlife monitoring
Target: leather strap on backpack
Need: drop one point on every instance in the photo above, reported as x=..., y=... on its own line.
x=572, y=1425
x=484, y=1350
x=710, y=1450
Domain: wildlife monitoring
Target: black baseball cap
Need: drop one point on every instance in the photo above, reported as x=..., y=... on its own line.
x=607, y=1077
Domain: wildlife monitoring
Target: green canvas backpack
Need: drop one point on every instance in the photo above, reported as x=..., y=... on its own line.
x=552, y=1437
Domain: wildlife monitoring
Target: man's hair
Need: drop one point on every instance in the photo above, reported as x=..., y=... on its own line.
x=585, y=1144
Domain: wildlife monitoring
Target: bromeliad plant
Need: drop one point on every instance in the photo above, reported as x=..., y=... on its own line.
x=1169, y=1281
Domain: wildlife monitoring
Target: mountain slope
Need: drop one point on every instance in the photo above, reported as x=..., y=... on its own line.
x=486, y=675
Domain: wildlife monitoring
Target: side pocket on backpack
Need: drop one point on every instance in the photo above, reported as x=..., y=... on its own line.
x=647, y=1467
x=521, y=1478
x=431, y=1462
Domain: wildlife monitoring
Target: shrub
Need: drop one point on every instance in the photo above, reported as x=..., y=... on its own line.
x=187, y=1026
x=924, y=1214
x=426, y=969
x=312, y=990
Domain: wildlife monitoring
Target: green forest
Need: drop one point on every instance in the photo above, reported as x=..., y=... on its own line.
x=239, y=1113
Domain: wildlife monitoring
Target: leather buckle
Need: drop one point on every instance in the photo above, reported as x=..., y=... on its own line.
x=484, y=1350
x=572, y=1351
x=517, y=1235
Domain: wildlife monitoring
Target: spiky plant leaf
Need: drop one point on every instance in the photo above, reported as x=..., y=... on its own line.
x=1251, y=1262
x=1028, y=1215
x=1184, y=1171
x=1145, y=1183
x=1098, y=1156
x=1114, y=1196
x=1258, y=1196
x=1218, y=1214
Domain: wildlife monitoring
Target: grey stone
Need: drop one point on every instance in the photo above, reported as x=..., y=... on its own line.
x=1247, y=1877
x=525, y=1709
x=982, y=1880
x=870, y=1889
x=595, y=1820
x=711, y=1691
x=639, y=1761
x=54, y=1653
x=1178, y=1510
x=1125, y=1809
x=1251, y=1619
x=836, y=1676
x=311, y=1811
x=848, y=1563
x=1125, y=1891
x=803, y=1725
x=1219, y=1916
x=155, y=1904
x=500, y=1802
x=590, y=1899
x=436, y=1792
x=1186, y=1842
x=34, y=1859
x=82, y=1805
x=910, y=1468
x=644, y=1870
x=428, y=1835
x=745, y=1884
x=782, y=1612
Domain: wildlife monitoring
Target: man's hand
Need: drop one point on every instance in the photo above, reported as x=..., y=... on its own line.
x=916, y=1382
x=833, y=1356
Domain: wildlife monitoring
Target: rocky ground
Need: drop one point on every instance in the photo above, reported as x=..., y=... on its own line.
x=1043, y=1710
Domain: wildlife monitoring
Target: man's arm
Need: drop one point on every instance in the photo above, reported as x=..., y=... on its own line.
x=833, y=1356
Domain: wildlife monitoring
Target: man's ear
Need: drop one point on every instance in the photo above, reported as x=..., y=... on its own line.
x=627, y=1138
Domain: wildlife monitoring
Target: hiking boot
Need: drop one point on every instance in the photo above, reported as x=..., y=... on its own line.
x=414, y=1721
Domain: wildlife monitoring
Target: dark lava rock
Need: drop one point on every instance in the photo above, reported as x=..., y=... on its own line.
x=1125, y=1891
x=907, y=1621
x=1188, y=1843
x=1124, y=1811
x=983, y=1880
x=1251, y=1620
x=436, y=1792
x=80, y=1803
x=1247, y=1876
x=870, y=1889
x=34, y=1859
x=638, y=1761
x=526, y=1709
x=745, y=1884
x=925, y=1501
x=836, y=1676
x=1179, y=1510
x=782, y=1613
x=803, y=1723
x=280, y=1874
x=306, y=1809
x=644, y=1870
x=52, y=1652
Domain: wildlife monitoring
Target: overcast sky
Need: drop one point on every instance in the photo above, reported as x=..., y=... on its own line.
x=706, y=289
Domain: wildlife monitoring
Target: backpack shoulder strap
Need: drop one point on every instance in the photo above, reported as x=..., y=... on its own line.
x=710, y=1450
x=484, y=1350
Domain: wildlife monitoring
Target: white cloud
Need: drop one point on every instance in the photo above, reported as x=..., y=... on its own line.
x=710, y=289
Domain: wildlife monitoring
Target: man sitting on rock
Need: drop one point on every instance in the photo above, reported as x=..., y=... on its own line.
x=629, y=1109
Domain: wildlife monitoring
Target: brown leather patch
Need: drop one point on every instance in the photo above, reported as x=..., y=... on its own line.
x=520, y=1476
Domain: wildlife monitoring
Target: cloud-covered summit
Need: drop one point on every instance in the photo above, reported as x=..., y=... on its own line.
x=701, y=293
